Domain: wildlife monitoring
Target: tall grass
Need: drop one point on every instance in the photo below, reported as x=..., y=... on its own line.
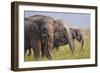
x=64, y=52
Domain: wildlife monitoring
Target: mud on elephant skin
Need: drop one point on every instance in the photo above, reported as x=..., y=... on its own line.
x=39, y=35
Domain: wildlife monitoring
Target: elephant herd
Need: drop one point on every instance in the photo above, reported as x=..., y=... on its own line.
x=44, y=33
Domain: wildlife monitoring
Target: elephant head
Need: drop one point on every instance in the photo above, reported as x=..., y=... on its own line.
x=41, y=32
x=62, y=31
x=77, y=34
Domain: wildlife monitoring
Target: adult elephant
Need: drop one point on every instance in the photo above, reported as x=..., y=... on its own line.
x=62, y=31
x=61, y=39
x=38, y=32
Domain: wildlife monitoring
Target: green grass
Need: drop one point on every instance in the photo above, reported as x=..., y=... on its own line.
x=64, y=52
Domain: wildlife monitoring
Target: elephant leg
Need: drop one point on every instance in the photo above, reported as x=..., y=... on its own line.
x=48, y=53
x=42, y=50
x=46, y=48
x=82, y=43
x=36, y=45
x=45, y=53
x=72, y=48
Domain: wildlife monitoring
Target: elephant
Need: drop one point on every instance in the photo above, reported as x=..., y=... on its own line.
x=39, y=34
x=27, y=24
x=63, y=31
x=77, y=34
x=61, y=39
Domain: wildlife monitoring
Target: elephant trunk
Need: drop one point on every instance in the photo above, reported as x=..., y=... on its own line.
x=46, y=43
x=44, y=39
x=69, y=37
x=46, y=50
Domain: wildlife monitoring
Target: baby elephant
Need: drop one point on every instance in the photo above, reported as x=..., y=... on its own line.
x=61, y=39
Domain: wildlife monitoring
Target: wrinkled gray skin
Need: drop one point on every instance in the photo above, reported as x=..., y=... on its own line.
x=27, y=24
x=61, y=39
x=77, y=34
x=39, y=35
x=63, y=31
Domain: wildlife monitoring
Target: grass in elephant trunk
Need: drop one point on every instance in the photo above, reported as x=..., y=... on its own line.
x=64, y=52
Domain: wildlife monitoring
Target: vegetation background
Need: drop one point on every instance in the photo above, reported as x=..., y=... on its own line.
x=64, y=52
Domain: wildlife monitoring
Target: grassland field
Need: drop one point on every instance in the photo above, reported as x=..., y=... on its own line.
x=64, y=52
